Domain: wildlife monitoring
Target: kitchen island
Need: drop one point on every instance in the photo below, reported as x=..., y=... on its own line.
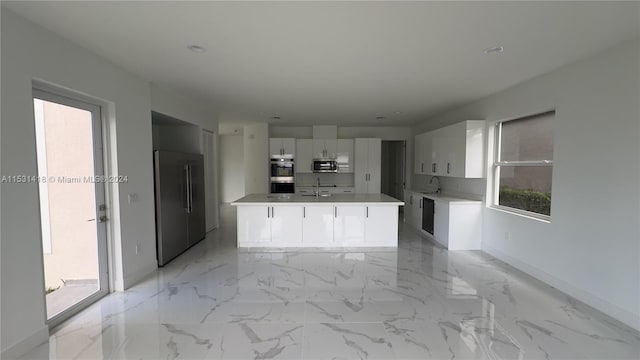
x=339, y=220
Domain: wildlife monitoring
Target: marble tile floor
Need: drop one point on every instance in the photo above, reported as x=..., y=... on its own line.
x=419, y=302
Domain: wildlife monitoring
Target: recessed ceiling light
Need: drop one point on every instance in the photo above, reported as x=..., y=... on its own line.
x=495, y=49
x=380, y=118
x=397, y=112
x=196, y=49
x=275, y=118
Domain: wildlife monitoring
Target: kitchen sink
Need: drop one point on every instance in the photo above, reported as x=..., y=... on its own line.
x=282, y=197
x=321, y=195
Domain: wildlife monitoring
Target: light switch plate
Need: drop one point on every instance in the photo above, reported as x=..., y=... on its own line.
x=133, y=198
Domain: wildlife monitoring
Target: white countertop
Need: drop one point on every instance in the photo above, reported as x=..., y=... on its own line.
x=297, y=199
x=445, y=198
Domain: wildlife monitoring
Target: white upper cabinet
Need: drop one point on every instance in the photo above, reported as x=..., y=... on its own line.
x=282, y=146
x=423, y=153
x=368, y=156
x=304, y=155
x=344, y=155
x=325, y=148
x=456, y=150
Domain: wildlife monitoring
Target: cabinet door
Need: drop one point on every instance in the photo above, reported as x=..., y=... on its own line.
x=437, y=145
x=317, y=225
x=381, y=225
x=331, y=147
x=275, y=147
x=408, y=208
x=319, y=149
x=426, y=148
x=348, y=225
x=304, y=157
x=289, y=146
x=254, y=225
x=361, y=165
x=449, y=145
x=418, y=154
x=344, y=155
x=455, y=156
x=286, y=225
x=417, y=211
x=441, y=223
x=374, y=166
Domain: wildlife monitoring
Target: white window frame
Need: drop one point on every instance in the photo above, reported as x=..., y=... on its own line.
x=498, y=163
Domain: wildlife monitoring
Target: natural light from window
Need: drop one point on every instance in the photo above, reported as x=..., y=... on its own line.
x=523, y=165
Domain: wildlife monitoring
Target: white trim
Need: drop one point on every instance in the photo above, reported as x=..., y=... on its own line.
x=22, y=347
x=54, y=94
x=626, y=317
x=43, y=186
x=521, y=213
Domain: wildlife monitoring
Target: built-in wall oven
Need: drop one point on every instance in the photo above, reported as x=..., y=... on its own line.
x=283, y=175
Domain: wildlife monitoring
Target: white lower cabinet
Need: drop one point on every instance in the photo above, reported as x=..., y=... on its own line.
x=269, y=225
x=441, y=223
x=413, y=210
x=286, y=225
x=461, y=225
x=348, y=225
x=457, y=224
x=317, y=225
x=254, y=224
x=381, y=225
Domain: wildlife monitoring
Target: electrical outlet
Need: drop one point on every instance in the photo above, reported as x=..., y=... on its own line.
x=133, y=198
x=138, y=248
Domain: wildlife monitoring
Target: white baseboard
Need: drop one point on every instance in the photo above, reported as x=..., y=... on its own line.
x=626, y=317
x=30, y=342
x=139, y=275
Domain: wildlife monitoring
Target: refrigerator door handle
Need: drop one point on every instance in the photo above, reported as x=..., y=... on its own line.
x=190, y=188
x=186, y=187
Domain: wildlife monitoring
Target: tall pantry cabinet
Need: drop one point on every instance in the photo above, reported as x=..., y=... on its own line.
x=368, y=158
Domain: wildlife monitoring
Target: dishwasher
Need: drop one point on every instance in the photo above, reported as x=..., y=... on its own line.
x=428, y=207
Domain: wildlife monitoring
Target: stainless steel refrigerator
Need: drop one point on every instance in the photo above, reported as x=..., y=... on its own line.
x=179, y=191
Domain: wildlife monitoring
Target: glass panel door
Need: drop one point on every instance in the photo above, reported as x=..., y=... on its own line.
x=72, y=203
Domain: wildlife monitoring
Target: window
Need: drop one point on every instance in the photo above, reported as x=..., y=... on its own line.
x=524, y=164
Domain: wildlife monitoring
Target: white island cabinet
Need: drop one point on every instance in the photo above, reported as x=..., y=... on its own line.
x=270, y=225
x=340, y=220
x=317, y=225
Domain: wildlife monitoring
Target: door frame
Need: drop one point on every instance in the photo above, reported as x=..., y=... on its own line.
x=98, y=109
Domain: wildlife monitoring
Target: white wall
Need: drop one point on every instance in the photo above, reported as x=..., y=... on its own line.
x=232, y=167
x=591, y=248
x=181, y=107
x=256, y=158
x=31, y=52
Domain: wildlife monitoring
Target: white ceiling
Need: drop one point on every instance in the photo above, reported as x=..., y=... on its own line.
x=338, y=62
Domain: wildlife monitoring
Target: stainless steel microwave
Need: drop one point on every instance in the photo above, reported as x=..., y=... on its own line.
x=325, y=166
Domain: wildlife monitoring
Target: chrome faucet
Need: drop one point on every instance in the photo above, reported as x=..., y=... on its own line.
x=437, y=181
x=317, y=187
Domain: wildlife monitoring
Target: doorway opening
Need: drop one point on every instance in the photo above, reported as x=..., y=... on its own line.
x=393, y=169
x=72, y=203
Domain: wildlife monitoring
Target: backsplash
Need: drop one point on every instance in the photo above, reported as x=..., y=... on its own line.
x=466, y=188
x=305, y=179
